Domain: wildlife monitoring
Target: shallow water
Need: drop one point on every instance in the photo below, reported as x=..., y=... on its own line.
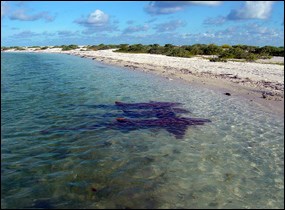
x=236, y=161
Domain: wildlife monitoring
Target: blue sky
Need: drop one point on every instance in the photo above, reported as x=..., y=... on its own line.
x=28, y=23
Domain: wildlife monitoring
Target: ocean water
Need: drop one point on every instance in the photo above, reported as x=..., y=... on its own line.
x=236, y=161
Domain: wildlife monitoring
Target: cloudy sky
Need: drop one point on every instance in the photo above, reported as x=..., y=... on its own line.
x=27, y=23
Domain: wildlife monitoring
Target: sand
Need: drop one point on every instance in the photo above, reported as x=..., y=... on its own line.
x=260, y=82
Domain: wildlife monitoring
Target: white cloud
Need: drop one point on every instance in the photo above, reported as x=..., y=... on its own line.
x=23, y=16
x=3, y=8
x=215, y=21
x=249, y=34
x=169, y=26
x=97, y=21
x=207, y=3
x=67, y=33
x=25, y=35
x=98, y=18
x=168, y=7
x=134, y=29
x=252, y=10
x=262, y=30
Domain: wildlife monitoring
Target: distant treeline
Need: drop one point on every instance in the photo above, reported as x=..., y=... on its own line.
x=222, y=53
x=65, y=47
x=13, y=47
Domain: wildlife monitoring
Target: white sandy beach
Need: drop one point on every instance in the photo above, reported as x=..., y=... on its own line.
x=263, y=80
x=197, y=65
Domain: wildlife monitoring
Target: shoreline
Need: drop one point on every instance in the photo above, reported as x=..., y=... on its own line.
x=261, y=89
x=250, y=94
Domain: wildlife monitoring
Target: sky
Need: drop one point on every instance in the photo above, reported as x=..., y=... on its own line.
x=46, y=23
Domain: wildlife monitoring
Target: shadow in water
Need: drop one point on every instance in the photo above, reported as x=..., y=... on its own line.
x=133, y=116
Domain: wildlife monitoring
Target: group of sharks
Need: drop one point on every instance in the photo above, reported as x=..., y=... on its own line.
x=154, y=114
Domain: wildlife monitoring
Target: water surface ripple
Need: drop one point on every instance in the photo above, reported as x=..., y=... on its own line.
x=236, y=161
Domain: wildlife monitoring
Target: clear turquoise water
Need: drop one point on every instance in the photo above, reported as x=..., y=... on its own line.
x=237, y=161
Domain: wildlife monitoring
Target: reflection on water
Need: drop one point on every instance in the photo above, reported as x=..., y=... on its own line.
x=236, y=161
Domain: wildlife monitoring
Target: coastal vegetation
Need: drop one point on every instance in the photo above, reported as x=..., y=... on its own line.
x=35, y=46
x=221, y=53
x=216, y=53
x=102, y=47
x=44, y=48
x=13, y=47
x=68, y=47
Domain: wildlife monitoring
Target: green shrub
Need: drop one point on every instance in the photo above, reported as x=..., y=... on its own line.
x=34, y=47
x=156, y=50
x=139, y=48
x=212, y=49
x=19, y=48
x=271, y=51
x=105, y=47
x=69, y=47
x=5, y=48
x=136, y=48
x=169, y=46
x=225, y=46
x=225, y=51
x=264, y=56
x=227, y=54
x=179, y=52
x=92, y=47
x=251, y=57
x=234, y=53
x=124, y=47
x=194, y=49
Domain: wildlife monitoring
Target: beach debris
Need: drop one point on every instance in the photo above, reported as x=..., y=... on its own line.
x=267, y=94
x=234, y=77
x=133, y=116
x=270, y=95
x=186, y=71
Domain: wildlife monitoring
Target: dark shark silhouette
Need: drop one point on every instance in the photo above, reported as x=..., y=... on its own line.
x=150, y=105
x=174, y=125
x=154, y=114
